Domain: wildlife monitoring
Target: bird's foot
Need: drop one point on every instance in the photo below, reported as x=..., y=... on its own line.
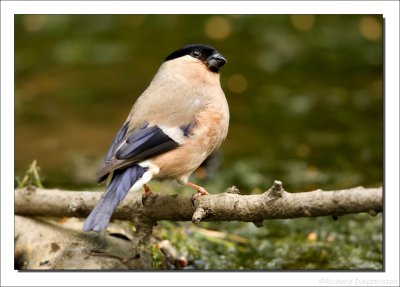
x=147, y=194
x=200, y=191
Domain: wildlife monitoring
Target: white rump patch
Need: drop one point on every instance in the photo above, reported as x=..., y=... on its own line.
x=152, y=170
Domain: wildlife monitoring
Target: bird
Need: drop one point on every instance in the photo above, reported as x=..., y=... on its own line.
x=175, y=124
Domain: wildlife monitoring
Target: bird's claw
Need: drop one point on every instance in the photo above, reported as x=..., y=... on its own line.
x=200, y=192
x=146, y=196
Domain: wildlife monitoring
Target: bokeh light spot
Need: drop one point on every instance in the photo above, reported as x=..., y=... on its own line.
x=237, y=83
x=218, y=27
x=312, y=236
x=370, y=28
x=34, y=23
x=302, y=22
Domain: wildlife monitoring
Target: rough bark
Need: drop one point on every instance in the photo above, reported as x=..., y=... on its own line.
x=49, y=244
x=275, y=203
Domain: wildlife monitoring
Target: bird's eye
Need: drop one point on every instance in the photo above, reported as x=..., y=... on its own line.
x=196, y=54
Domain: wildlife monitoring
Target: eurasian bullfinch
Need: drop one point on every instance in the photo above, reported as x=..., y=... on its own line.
x=180, y=119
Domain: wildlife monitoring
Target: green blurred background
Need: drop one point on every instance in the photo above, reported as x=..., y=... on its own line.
x=305, y=96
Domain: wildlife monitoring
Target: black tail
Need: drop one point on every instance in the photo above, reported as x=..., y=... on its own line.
x=118, y=188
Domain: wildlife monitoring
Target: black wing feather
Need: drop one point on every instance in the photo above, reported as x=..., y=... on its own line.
x=129, y=148
x=116, y=142
x=146, y=142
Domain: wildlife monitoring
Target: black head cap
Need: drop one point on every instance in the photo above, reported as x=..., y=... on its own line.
x=204, y=53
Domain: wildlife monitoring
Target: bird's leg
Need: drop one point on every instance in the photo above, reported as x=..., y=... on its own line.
x=146, y=188
x=200, y=191
x=146, y=194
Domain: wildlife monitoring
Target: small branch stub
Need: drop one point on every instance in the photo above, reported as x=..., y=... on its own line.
x=199, y=214
x=276, y=190
x=144, y=229
x=259, y=223
x=372, y=212
x=233, y=190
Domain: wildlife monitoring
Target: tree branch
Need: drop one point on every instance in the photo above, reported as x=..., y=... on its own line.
x=275, y=203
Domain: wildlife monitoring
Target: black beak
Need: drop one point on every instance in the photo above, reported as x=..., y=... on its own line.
x=215, y=62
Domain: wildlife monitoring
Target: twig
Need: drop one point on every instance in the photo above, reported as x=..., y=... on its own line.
x=31, y=174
